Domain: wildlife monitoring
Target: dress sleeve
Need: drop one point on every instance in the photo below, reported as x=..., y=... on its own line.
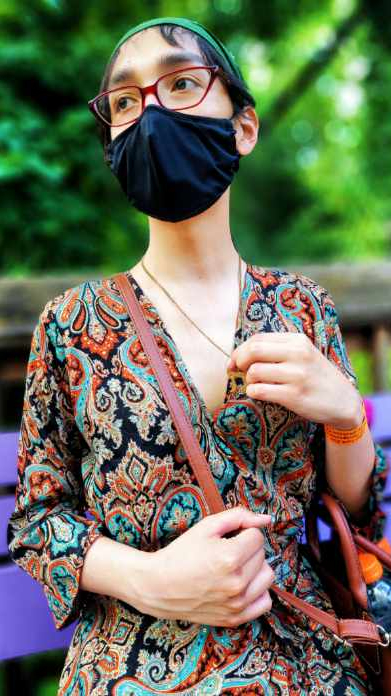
x=373, y=520
x=48, y=534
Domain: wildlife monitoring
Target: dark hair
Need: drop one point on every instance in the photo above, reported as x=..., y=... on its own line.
x=237, y=89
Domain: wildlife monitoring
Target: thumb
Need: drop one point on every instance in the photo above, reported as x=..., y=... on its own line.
x=239, y=517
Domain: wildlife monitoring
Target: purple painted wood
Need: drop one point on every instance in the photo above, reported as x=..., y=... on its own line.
x=387, y=529
x=7, y=505
x=8, y=458
x=26, y=625
x=381, y=428
x=387, y=489
x=324, y=531
x=381, y=425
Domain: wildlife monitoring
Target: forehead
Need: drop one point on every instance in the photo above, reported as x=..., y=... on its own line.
x=142, y=55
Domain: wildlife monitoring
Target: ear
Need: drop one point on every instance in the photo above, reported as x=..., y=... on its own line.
x=247, y=126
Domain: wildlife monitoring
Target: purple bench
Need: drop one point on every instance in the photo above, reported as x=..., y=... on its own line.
x=379, y=413
x=26, y=624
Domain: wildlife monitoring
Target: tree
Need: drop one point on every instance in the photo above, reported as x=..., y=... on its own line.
x=320, y=79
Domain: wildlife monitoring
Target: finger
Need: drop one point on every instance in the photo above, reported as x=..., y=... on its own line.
x=230, y=364
x=250, y=569
x=261, y=352
x=271, y=352
x=232, y=519
x=273, y=345
x=282, y=337
x=244, y=545
x=256, y=587
x=276, y=393
x=278, y=373
x=262, y=604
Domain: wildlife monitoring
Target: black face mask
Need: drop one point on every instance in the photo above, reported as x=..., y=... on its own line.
x=172, y=165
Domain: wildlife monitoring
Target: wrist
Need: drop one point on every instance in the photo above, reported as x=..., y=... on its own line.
x=134, y=573
x=352, y=416
x=348, y=436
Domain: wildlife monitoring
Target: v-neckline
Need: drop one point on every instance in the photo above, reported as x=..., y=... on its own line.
x=189, y=379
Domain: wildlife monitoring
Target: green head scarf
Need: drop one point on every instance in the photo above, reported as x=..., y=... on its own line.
x=226, y=55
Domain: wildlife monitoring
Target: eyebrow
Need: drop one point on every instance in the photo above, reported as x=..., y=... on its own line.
x=165, y=61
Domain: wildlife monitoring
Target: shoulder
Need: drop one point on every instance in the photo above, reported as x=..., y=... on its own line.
x=281, y=280
x=71, y=309
x=292, y=301
x=83, y=317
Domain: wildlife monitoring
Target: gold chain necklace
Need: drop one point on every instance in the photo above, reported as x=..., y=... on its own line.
x=240, y=308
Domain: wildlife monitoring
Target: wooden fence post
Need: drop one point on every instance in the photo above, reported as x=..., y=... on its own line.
x=380, y=350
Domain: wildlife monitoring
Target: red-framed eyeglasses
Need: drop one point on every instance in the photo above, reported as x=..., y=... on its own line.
x=123, y=105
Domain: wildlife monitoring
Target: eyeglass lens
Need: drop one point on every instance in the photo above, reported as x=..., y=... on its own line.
x=178, y=91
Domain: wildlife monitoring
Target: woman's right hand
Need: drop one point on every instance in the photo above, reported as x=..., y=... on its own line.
x=203, y=577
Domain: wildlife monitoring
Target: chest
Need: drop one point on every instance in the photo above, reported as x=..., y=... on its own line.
x=205, y=363
x=204, y=351
x=137, y=464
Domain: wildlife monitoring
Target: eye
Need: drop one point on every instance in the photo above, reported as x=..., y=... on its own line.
x=180, y=82
x=124, y=103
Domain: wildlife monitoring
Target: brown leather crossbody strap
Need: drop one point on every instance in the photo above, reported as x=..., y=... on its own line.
x=353, y=630
x=199, y=464
x=349, y=551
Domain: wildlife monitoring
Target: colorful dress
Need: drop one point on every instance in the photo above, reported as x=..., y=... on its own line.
x=96, y=436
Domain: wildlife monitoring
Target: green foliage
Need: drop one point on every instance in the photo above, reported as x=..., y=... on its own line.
x=316, y=187
x=49, y=687
x=362, y=363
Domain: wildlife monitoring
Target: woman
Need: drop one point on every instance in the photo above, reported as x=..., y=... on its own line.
x=165, y=602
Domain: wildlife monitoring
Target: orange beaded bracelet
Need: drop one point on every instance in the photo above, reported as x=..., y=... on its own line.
x=347, y=437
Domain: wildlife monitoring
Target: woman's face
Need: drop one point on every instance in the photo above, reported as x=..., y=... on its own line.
x=141, y=62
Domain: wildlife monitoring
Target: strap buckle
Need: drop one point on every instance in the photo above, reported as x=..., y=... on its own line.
x=344, y=642
x=386, y=637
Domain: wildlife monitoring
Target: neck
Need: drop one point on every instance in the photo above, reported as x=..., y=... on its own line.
x=193, y=250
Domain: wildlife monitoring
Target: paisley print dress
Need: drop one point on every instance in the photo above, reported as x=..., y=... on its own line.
x=99, y=455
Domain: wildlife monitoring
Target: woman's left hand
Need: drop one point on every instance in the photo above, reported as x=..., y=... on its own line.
x=288, y=369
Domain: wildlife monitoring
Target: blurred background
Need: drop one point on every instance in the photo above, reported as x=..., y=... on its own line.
x=314, y=196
